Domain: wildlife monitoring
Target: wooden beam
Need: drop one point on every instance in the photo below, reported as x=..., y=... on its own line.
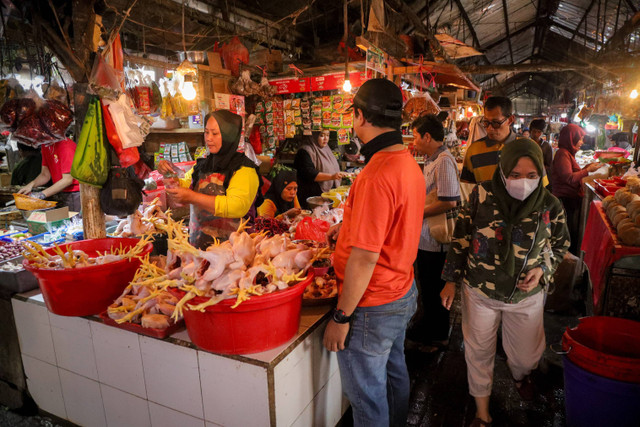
x=465, y=16
x=631, y=6
x=536, y=35
x=622, y=33
x=542, y=67
x=515, y=33
x=586, y=13
x=506, y=26
x=573, y=32
x=420, y=29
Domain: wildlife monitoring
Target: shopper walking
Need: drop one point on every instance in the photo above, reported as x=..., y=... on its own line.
x=481, y=158
x=374, y=256
x=538, y=127
x=441, y=177
x=509, y=238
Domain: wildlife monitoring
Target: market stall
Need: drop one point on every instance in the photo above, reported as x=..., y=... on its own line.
x=89, y=373
x=611, y=256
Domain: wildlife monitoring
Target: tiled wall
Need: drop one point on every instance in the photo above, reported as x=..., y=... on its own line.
x=96, y=375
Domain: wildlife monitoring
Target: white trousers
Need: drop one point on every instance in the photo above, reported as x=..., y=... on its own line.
x=523, y=337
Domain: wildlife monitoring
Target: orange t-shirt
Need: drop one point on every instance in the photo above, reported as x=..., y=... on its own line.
x=383, y=214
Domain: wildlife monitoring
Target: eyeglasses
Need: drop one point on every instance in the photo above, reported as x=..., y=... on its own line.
x=494, y=123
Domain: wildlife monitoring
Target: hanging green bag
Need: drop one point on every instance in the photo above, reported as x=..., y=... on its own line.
x=91, y=160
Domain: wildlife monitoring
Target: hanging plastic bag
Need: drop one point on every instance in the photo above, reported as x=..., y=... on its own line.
x=56, y=117
x=130, y=128
x=122, y=193
x=91, y=160
x=234, y=54
x=312, y=229
x=32, y=132
x=104, y=80
x=127, y=157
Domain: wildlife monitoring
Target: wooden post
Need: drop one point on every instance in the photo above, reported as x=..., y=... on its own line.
x=92, y=215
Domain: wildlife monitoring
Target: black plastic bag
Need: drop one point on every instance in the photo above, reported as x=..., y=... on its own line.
x=122, y=193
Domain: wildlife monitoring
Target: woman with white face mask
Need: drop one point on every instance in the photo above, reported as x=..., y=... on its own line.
x=509, y=238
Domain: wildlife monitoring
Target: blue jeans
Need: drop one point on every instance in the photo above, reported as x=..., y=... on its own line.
x=372, y=367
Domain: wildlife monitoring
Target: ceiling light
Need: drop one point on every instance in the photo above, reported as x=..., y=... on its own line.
x=346, y=86
x=188, y=91
x=563, y=115
x=633, y=94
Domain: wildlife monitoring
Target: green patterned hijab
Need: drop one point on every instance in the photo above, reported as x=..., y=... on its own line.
x=514, y=210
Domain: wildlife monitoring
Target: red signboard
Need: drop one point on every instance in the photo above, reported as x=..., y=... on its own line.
x=313, y=84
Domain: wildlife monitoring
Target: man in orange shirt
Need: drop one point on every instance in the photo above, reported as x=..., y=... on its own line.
x=376, y=247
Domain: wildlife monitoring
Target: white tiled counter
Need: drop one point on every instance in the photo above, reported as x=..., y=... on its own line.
x=93, y=374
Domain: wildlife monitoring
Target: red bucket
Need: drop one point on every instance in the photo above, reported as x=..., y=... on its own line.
x=258, y=324
x=87, y=290
x=605, y=346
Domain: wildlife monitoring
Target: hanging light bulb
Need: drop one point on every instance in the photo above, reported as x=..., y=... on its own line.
x=563, y=115
x=633, y=94
x=188, y=91
x=346, y=86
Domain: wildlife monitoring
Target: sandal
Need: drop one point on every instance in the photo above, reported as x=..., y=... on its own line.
x=479, y=422
x=526, y=388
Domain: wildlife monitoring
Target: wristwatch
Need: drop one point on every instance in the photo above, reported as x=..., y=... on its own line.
x=339, y=316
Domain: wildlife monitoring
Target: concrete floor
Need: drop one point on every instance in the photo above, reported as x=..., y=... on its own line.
x=440, y=394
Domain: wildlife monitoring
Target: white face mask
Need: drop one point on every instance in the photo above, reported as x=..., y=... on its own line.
x=521, y=188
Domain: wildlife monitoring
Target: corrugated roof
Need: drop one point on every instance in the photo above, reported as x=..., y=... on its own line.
x=574, y=29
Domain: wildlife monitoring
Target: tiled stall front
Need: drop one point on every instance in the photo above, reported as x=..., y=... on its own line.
x=95, y=375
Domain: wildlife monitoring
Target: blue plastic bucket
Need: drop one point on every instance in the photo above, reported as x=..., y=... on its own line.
x=593, y=401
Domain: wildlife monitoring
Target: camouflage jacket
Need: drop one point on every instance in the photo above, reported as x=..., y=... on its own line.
x=541, y=240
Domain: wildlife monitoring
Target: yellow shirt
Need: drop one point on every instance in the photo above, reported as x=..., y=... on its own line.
x=240, y=194
x=268, y=209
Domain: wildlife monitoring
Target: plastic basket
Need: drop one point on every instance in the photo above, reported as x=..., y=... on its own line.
x=87, y=290
x=259, y=324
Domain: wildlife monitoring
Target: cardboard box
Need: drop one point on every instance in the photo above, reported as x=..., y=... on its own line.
x=215, y=62
x=43, y=221
x=5, y=179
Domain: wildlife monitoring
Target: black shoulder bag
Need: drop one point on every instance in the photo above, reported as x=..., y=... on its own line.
x=122, y=193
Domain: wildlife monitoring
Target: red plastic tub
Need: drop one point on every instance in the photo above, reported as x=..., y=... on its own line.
x=605, y=346
x=87, y=290
x=259, y=324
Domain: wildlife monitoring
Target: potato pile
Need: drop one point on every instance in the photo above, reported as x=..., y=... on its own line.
x=623, y=209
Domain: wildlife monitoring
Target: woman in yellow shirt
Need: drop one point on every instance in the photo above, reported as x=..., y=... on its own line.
x=281, y=198
x=224, y=184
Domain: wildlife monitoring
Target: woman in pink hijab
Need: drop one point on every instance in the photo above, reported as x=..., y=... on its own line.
x=566, y=178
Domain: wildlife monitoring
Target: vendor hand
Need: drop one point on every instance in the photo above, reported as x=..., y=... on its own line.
x=335, y=335
x=26, y=189
x=38, y=195
x=531, y=280
x=332, y=234
x=447, y=294
x=338, y=175
x=179, y=194
x=592, y=167
x=164, y=167
x=293, y=212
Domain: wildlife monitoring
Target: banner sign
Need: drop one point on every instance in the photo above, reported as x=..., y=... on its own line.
x=331, y=81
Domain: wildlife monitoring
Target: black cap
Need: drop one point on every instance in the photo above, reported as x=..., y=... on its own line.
x=380, y=96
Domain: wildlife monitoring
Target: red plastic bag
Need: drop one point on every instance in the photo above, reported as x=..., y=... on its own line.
x=312, y=229
x=233, y=54
x=56, y=117
x=126, y=156
x=15, y=110
x=32, y=132
x=256, y=140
